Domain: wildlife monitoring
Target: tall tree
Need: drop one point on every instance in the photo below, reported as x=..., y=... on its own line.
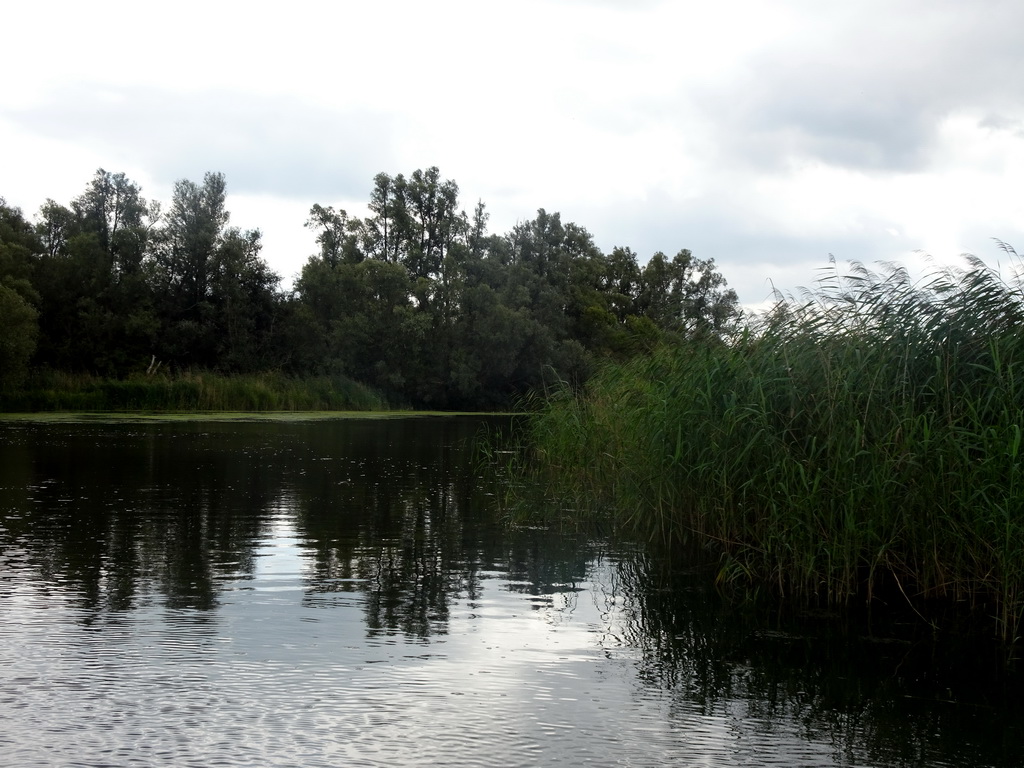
x=19, y=320
x=686, y=295
x=19, y=317
x=436, y=222
x=243, y=293
x=95, y=298
x=620, y=281
x=113, y=208
x=477, y=237
x=192, y=233
x=387, y=232
x=20, y=247
x=336, y=234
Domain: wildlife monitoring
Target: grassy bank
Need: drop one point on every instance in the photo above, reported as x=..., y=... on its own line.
x=863, y=440
x=53, y=391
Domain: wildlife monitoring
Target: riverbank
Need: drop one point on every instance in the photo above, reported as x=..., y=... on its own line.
x=864, y=441
x=191, y=391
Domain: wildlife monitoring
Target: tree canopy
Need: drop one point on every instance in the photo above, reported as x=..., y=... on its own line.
x=417, y=299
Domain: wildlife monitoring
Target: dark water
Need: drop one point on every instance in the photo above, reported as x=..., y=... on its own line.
x=342, y=593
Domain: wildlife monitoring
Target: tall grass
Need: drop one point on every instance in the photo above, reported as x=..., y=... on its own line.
x=191, y=391
x=864, y=438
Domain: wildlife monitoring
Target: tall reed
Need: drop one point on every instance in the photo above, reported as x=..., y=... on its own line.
x=865, y=437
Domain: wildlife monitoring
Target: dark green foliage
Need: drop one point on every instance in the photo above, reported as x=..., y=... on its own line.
x=217, y=299
x=685, y=294
x=420, y=301
x=51, y=391
x=19, y=318
x=19, y=250
x=417, y=300
x=19, y=321
x=865, y=439
x=95, y=297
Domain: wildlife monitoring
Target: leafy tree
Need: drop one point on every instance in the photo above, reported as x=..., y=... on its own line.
x=19, y=245
x=192, y=233
x=619, y=280
x=217, y=297
x=477, y=235
x=113, y=208
x=19, y=321
x=94, y=294
x=417, y=298
x=686, y=295
x=358, y=316
x=336, y=235
x=387, y=232
x=63, y=277
x=57, y=225
x=243, y=294
x=415, y=221
x=435, y=222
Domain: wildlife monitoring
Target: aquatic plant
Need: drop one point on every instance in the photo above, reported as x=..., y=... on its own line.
x=863, y=438
x=191, y=391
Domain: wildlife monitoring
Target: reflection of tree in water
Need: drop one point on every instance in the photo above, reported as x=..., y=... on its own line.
x=403, y=518
x=118, y=515
x=398, y=518
x=880, y=694
x=113, y=514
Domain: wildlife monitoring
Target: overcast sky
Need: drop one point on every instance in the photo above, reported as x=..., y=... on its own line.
x=764, y=135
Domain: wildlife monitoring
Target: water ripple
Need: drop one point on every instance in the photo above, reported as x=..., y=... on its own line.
x=361, y=628
x=505, y=688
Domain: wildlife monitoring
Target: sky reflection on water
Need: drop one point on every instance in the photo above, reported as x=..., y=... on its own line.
x=341, y=594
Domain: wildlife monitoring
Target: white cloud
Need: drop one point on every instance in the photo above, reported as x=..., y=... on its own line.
x=762, y=135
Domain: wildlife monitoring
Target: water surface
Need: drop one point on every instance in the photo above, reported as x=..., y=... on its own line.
x=342, y=592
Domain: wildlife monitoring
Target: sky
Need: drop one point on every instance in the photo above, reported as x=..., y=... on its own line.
x=763, y=135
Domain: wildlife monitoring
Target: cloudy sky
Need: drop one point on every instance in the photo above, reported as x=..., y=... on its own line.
x=765, y=135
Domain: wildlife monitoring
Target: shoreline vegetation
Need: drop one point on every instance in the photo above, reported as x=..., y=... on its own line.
x=190, y=391
x=417, y=301
x=861, y=443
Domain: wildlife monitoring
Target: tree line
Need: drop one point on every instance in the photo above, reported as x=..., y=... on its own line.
x=417, y=299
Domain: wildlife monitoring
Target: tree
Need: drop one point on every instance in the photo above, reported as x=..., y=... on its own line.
x=243, y=294
x=357, y=316
x=120, y=307
x=417, y=298
x=435, y=221
x=336, y=235
x=686, y=295
x=619, y=280
x=113, y=208
x=185, y=268
x=191, y=236
x=386, y=232
x=415, y=221
x=19, y=250
x=18, y=319
x=95, y=298
x=477, y=235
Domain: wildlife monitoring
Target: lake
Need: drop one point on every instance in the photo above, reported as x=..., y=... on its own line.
x=343, y=592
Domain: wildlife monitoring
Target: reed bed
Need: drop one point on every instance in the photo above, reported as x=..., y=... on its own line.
x=864, y=439
x=191, y=391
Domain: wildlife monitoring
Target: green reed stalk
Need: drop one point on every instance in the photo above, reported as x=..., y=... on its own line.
x=866, y=437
